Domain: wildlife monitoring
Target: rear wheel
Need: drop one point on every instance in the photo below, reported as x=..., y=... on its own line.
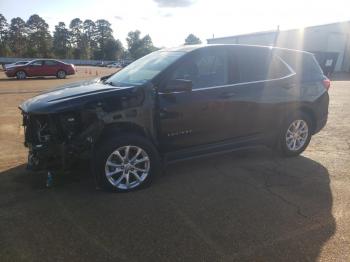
x=21, y=75
x=126, y=163
x=61, y=74
x=295, y=135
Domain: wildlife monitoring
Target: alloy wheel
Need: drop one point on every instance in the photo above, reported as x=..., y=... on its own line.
x=127, y=167
x=297, y=135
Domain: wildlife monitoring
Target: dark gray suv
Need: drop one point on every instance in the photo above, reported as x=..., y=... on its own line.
x=176, y=104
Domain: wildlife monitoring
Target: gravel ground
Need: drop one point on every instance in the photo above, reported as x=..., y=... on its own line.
x=246, y=206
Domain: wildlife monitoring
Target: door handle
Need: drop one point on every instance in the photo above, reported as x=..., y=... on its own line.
x=289, y=86
x=227, y=94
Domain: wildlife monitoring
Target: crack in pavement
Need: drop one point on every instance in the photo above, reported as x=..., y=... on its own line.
x=266, y=186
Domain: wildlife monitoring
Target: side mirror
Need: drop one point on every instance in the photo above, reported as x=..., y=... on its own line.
x=178, y=85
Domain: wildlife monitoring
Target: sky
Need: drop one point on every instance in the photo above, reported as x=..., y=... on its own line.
x=168, y=22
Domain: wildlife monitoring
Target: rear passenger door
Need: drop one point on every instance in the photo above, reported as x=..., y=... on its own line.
x=51, y=67
x=256, y=98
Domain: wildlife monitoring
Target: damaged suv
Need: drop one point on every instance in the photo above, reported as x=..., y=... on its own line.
x=177, y=104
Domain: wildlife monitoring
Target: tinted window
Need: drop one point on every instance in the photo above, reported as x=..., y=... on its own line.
x=51, y=62
x=253, y=64
x=277, y=68
x=304, y=64
x=260, y=64
x=205, y=69
x=37, y=63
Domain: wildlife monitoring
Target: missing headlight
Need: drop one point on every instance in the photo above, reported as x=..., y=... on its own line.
x=70, y=124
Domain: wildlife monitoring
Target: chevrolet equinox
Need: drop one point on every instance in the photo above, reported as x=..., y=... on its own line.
x=177, y=104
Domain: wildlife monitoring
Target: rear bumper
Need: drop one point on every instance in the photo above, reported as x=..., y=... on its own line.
x=321, y=112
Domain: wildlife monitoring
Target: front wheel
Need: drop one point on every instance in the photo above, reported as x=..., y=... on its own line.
x=126, y=163
x=295, y=135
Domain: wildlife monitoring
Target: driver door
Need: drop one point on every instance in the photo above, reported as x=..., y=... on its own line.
x=35, y=68
x=192, y=118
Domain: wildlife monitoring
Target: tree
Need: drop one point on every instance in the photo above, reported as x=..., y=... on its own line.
x=17, y=36
x=82, y=40
x=137, y=46
x=76, y=38
x=89, y=29
x=61, y=46
x=39, y=38
x=113, y=49
x=4, y=47
x=89, y=36
x=191, y=39
x=3, y=28
x=107, y=48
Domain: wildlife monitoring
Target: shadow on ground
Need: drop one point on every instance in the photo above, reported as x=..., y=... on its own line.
x=237, y=207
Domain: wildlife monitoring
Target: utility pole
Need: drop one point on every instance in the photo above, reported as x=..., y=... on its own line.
x=276, y=35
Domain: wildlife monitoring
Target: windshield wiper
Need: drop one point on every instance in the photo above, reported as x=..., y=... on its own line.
x=109, y=83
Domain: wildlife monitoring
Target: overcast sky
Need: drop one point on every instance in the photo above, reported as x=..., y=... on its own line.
x=168, y=22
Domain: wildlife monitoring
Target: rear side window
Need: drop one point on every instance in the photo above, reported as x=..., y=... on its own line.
x=37, y=63
x=257, y=64
x=51, y=63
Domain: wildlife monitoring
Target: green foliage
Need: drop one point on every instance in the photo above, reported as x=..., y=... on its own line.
x=39, y=39
x=191, y=39
x=137, y=46
x=3, y=28
x=82, y=40
x=61, y=44
x=4, y=45
x=17, y=36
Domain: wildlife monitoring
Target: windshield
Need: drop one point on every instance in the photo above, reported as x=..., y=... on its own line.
x=144, y=69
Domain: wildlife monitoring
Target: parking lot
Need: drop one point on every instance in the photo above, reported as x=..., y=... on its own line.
x=243, y=206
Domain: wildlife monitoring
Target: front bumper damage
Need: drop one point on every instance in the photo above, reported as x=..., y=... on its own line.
x=52, y=145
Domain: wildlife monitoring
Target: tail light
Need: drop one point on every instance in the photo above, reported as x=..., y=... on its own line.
x=326, y=83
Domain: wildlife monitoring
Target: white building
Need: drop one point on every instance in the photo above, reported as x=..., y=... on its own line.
x=330, y=43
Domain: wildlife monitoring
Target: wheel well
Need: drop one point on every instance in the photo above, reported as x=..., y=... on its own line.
x=21, y=70
x=310, y=114
x=128, y=128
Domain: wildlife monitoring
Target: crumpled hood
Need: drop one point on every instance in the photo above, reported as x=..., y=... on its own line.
x=70, y=96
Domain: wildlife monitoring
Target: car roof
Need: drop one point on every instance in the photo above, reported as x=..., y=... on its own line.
x=189, y=48
x=46, y=59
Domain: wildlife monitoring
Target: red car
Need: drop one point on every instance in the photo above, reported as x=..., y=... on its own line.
x=41, y=67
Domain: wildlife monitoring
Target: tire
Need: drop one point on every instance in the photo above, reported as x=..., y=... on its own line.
x=295, y=135
x=21, y=75
x=109, y=167
x=61, y=74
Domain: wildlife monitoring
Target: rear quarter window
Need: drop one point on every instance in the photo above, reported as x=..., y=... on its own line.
x=304, y=64
x=51, y=63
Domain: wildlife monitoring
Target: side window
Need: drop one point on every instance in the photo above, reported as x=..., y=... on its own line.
x=253, y=65
x=37, y=63
x=50, y=62
x=204, y=69
x=260, y=64
x=277, y=69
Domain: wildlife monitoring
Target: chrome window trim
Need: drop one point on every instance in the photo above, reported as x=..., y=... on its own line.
x=292, y=73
